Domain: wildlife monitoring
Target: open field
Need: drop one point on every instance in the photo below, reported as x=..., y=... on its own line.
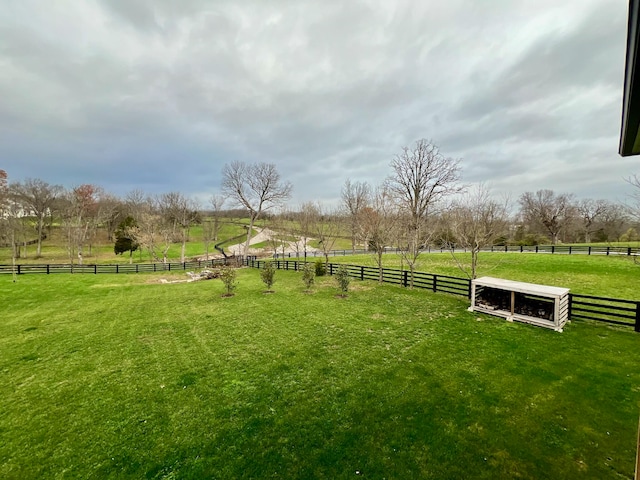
x=613, y=276
x=54, y=248
x=120, y=376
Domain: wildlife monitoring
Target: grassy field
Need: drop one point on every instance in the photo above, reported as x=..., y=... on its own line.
x=612, y=276
x=54, y=248
x=120, y=376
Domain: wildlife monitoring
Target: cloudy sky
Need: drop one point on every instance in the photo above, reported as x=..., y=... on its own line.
x=158, y=95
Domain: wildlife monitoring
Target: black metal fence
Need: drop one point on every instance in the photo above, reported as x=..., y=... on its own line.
x=114, y=268
x=554, y=249
x=581, y=307
x=436, y=283
x=602, y=309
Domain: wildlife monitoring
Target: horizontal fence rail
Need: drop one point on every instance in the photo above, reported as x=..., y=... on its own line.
x=581, y=307
x=555, y=249
x=114, y=268
x=603, y=309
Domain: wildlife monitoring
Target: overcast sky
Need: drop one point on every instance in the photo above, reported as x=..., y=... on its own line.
x=159, y=95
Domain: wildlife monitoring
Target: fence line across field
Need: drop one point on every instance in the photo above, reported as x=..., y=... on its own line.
x=581, y=307
x=553, y=249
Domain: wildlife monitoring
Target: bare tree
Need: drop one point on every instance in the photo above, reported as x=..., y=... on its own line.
x=613, y=223
x=279, y=238
x=178, y=214
x=111, y=213
x=211, y=224
x=78, y=212
x=355, y=196
x=4, y=205
x=323, y=225
x=39, y=199
x=634, y=207
x=378, y=223
x=549, y=210
x=216, y=202
x=256, y=187
x=475, y=221
x=10, y=223
x=590, y=211
x=421, y=178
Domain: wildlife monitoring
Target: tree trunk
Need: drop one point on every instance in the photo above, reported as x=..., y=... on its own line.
x=40, y=228
x=474, y=261
x=249, y=232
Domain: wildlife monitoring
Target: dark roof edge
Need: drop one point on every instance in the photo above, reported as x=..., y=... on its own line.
x=629, y=144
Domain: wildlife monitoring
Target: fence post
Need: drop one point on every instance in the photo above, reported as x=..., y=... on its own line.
x=331, y=269
x=553, y=249
x=589, y=252
x=362, y=273
x=18, y=269
x=404, y=278
x=506, y=248
x=136, y=268
x=521, y=247
x=95, y=268
x=435, y=283
x=47, y=269
x=608, y=248
x=117, y=268
x=569, y=310
x=629, y=251
x=536, y=248
x=637, y=329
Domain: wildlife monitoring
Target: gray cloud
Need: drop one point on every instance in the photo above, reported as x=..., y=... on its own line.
x=160, y=94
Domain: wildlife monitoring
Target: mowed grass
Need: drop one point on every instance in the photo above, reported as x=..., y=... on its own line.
x=609, y=276
x=123, y=377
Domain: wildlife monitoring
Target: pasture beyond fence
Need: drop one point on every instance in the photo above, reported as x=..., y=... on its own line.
x=581, y=307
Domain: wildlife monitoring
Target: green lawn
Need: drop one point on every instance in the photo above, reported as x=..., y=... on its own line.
x=119, y=376
x=609, y=276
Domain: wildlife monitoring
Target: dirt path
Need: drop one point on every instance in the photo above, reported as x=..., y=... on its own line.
x=263, y=235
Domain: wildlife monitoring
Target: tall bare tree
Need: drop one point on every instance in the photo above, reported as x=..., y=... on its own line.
x=78, y=211
x=4, y=205
x=211, y=224
x=323, y=225
x=589, y=212
x=256, y=187
x=421, y=178
x=378, y=223
x=355, y=196
x=475, y=221
x=178, y=214
x=634, y=206
x=545, y=208
x=38, y=198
